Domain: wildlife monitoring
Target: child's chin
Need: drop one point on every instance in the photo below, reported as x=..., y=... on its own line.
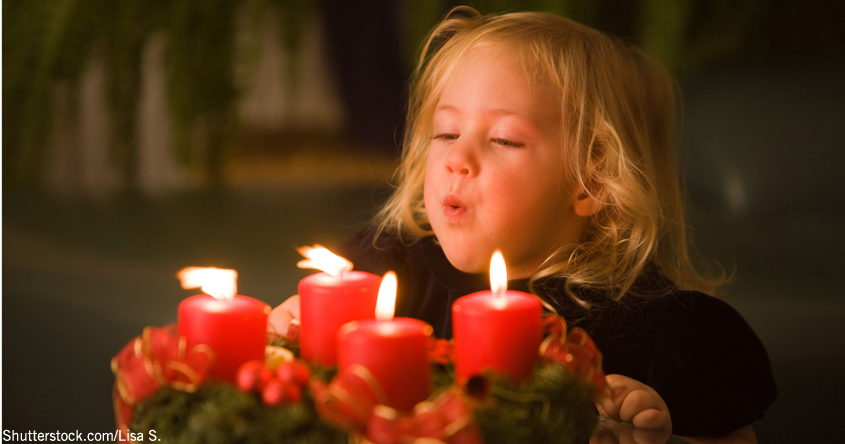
x=459, y=259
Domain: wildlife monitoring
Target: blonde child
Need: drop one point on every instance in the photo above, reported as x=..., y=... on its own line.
x=553, y=142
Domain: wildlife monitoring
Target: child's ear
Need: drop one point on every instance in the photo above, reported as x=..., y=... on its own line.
x=585, y=203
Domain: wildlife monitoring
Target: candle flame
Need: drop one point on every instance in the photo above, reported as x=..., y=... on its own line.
x=498, y=274
x=386, y=303
x=320, y=258
x=221, y=283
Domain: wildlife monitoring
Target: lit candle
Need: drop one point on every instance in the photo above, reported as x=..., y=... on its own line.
x=394, y=350
x=330, y=299
x=496, y=330
x=233, y=326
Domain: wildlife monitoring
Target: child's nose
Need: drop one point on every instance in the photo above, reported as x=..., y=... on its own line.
x=462, y=159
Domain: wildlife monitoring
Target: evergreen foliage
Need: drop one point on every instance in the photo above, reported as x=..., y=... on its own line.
x=553, y=408
x=222, y=414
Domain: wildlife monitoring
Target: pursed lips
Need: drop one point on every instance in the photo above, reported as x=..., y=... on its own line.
x=453, y=208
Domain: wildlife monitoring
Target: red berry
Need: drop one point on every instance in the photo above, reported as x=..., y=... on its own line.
x=278, y=392
x=293, y=372
x=273, y=392
x=252, y=375
x=293, y=394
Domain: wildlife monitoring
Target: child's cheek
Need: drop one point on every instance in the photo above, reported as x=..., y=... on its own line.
x=429, y=190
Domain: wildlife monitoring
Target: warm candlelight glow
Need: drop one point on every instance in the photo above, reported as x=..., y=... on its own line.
x=220, y=283
x=386, y=305
x=320, y=258
x=498, y=274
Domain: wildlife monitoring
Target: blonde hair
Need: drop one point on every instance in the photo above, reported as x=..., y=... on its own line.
x=618, y=116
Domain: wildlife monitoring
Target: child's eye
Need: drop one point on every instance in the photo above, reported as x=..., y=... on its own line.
x=507, y=143
x=446, y=136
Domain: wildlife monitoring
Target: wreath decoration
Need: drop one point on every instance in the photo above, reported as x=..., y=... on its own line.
x=162, y=386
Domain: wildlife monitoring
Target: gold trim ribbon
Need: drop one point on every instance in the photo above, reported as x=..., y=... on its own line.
x=575, y=351
x=158, y=358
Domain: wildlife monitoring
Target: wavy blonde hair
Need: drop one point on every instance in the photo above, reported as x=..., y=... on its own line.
x=618, y=115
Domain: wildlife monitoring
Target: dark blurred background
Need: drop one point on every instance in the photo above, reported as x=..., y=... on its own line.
x=140, y=137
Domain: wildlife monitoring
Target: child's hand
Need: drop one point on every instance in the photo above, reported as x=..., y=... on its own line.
x=633, y=402
x=280, y=317
x=612, y=432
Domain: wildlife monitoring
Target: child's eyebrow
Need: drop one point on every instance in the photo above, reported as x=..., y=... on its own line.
x=446, y=108
x=493, y=111
x=526, y=120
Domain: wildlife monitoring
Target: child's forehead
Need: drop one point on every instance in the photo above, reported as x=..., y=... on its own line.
x=538, y=77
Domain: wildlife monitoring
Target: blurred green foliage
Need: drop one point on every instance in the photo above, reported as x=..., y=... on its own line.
x=668, y=29
x=49, y=42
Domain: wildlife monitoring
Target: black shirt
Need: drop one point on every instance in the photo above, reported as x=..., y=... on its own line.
x=695, y=350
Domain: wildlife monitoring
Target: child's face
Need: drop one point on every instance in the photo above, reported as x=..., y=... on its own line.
x=494, y=174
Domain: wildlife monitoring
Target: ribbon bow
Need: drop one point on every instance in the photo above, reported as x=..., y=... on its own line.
x=447, y=419
x=575, y=351
x=349, y=399
x=158, y=358
x=355, y=401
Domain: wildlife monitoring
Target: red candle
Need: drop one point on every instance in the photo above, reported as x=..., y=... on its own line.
x=394, y=350
x=496, y=330
x=233, y=326
x=330, y=299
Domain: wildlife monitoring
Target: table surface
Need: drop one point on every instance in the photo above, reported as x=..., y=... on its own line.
x=609, y=431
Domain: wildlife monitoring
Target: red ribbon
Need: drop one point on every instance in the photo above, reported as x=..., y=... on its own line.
x=349, y=399
x=157, y=358
x=354, y=401
x=440, y=350
x=575, y=351
x=446, y=419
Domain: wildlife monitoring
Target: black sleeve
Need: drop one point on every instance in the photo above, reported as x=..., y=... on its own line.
x=420, y=294
x=373, y=256
x=710, y=367
x=378, y=256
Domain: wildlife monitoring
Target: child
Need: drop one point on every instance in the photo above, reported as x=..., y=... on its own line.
x=553, y=142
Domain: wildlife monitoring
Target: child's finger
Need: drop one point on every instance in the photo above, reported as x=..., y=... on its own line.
x=653, y=419
x=638, y=402
x=635, y=403
x=292, y=305
x=645, y=409
x=279, y=319
x=602, y=411
x=619, y=387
